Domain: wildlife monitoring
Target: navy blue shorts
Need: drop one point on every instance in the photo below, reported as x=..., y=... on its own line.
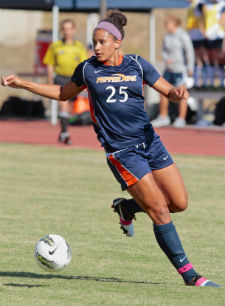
x=131, y=164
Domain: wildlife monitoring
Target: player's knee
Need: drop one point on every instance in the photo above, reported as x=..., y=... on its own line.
x=159, y=213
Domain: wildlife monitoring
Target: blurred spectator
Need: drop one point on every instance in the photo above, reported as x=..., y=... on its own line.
x=213, y=20
x=178, y=55
x=61, y=59
x=195, y=29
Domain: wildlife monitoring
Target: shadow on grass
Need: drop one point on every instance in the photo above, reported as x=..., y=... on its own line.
x=24, y=285
x=71, y=277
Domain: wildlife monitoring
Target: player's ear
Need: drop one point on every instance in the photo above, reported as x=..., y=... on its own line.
x=117, y=43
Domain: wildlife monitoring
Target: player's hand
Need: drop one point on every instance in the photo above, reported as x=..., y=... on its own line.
x=179, y=94
x=12, y=81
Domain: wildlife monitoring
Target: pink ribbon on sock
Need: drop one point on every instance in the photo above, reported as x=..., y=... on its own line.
x=185, y=268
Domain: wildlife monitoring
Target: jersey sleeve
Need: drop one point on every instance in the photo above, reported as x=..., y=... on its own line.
x=78, y=77
x=150, y=74
x=49, y=58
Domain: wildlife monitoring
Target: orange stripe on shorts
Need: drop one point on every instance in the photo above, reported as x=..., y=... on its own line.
x=128, y=177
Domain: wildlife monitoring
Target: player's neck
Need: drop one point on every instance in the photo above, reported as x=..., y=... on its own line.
x=115, y=60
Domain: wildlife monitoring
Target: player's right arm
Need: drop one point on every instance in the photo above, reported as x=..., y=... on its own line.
x=55, y=92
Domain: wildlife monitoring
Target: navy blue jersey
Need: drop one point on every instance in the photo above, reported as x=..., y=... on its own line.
x=116, y=99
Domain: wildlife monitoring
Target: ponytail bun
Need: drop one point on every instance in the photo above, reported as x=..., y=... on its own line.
x=118, y=19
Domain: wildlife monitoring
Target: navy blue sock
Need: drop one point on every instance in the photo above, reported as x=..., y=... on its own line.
x=169, y=241
x=132, y=207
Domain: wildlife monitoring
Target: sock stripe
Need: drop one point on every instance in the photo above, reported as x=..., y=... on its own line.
x=185, y=268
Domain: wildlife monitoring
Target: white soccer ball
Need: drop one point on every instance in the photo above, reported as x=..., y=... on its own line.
x=52, y=253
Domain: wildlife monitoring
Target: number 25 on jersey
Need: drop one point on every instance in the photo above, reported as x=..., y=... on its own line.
x=123, y=96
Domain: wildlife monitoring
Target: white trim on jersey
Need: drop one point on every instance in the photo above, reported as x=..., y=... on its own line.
x=87, y=62
x=136, y=60
x=83, y=72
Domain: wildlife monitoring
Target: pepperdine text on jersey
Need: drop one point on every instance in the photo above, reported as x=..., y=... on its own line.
x=118, y=77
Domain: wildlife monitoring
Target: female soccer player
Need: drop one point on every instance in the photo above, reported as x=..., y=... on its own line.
x=135, y=154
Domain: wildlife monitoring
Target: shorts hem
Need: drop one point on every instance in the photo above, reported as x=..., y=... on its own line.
x=164, y=166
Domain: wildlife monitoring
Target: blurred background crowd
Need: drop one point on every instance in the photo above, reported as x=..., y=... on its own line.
x=206, y=27
x=195, y=56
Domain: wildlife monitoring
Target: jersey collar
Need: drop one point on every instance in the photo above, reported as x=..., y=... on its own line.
x=119, y=63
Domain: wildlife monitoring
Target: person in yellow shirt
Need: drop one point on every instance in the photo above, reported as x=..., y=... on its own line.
x=62, y=57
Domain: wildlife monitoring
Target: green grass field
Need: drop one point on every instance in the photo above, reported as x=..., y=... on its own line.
x=47, y=190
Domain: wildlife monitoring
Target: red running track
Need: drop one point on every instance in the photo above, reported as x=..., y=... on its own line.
x=181, y=141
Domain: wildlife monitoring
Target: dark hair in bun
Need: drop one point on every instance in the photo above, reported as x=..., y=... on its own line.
x=118, y=19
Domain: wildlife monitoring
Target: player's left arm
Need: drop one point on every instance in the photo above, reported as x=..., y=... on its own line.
x=153, y=79
x=169, y=91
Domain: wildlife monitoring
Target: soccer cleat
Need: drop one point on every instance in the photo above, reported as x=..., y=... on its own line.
x=64, y=137
x=125, y=218
x=200, y=281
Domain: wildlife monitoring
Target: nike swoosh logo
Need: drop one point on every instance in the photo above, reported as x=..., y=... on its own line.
x=181, y=260
x=165, y=158
x=97, y=71
x=52, y=252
